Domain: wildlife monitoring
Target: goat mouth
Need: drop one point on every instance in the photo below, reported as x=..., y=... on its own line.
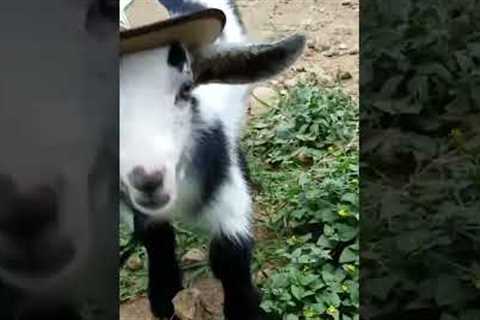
x=44, y=257
x=152, y=202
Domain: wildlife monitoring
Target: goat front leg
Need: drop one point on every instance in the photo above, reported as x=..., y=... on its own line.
x=230, y=260
x=164, y=276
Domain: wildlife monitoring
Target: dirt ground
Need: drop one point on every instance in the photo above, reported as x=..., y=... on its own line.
x=332, y=30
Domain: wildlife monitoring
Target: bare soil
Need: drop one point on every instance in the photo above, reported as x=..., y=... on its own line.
x=332, y=30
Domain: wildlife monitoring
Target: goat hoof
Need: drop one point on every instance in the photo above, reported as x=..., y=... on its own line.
x=258, y=316
x=162, y=312
x=174, y=317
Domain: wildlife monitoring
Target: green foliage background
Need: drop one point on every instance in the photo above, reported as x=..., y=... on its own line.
x=304, y=156
x=420, y=196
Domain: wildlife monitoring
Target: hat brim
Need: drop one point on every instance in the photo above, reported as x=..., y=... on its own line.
x=194, y=30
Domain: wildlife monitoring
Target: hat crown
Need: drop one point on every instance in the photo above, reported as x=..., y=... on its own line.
x=147, y=24
x=137, y=13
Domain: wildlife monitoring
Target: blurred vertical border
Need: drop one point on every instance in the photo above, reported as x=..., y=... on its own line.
x=420, y=156
x=59, y=159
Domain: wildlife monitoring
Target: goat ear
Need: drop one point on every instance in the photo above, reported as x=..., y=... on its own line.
x=241, y=64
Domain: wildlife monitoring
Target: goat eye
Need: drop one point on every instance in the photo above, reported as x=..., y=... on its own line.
x=108, y=8
x=185, y=92
x=101, y=13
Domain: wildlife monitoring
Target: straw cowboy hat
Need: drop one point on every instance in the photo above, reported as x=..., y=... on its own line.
x=147, y=24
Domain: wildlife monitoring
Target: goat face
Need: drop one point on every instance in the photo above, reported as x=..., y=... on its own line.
x=156, y=114
x=159, y=115
x=56, y=118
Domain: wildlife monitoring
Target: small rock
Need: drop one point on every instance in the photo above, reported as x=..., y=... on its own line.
x=330, y=53
x=324, y=47
x=274, y=83
x=262, y=97
x=305, y=159
x=353, y=52
x=344, y=75
x=266, y=94
x=320, y=77
x=189, y=305
x=346, y=3
x=311, y=44
x=290, y=82
x=300, y=69
x=194, y=256
x=342, y=46
x=134, y=263
x=307, y=22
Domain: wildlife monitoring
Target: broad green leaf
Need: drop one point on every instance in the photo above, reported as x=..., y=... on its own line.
x=448, y=291
x=348, y=255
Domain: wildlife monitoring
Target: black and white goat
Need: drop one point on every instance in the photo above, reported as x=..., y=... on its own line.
x=181, y=115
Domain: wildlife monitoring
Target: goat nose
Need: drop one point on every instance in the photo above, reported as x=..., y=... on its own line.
x=144, y=181
x=28, y=214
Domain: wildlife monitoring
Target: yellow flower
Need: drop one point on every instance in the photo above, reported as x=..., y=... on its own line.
x=332, y=310
x=344, y=213
x=350, y=268
x=456, y=132
x=292, y=240
x=309, y=313
x=457, y=137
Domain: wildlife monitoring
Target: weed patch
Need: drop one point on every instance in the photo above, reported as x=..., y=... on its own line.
x=304, y=159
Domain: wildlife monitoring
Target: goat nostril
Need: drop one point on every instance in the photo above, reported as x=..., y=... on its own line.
x=146, y=182
x=30, y=213
x=139, y=171
x=149, y=186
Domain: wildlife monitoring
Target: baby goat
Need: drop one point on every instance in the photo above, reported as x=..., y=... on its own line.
x=181, y=114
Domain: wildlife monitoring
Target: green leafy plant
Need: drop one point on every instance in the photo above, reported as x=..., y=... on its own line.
x=420, y=160
x=304, y=158
x=133, y=275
